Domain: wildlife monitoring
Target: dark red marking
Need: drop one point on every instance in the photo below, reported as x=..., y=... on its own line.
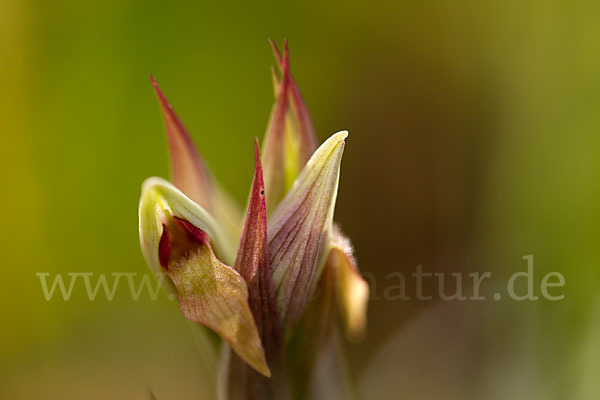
x=164, y=248
x=192, y=230
x=179, y=237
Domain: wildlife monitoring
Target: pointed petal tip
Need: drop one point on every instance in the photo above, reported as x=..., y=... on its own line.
x=252, y=262
x=285, y=68
x=256, y=149
x=330, y=144
x=341, y=134
x=156, y=87
x=188, y=170
x=276, y=52
x=258, y=169
x=282, y=61
x=164, y=103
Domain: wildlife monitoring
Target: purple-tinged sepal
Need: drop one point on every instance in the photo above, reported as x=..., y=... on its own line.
x=278, y=170
x=300, y=229
x=252, y=262
x=298, y=115
x=290, y=139
x=190, y=174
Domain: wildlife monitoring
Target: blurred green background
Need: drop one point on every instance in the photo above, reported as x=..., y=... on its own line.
x=474, y=140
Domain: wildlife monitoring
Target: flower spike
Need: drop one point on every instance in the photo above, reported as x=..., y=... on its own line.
x=300, y=228
x=273, y=286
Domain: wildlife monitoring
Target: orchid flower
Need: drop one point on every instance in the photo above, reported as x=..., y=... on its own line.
x=270, y=285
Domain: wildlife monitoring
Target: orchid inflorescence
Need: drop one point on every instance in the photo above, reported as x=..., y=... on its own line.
x=272, y=285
